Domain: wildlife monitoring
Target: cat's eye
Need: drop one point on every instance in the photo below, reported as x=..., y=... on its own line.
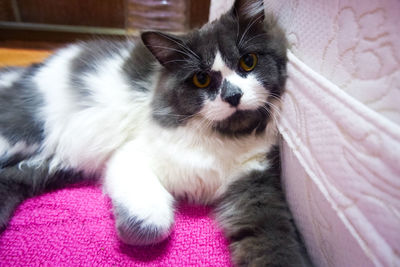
x=248, y=62
x=201, y=79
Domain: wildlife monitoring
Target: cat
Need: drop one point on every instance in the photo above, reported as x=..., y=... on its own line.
x=159, y=119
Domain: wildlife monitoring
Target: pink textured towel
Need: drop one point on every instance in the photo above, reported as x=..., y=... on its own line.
x=75, y=227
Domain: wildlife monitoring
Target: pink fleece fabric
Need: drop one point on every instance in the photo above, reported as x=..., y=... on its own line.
x=75, y=227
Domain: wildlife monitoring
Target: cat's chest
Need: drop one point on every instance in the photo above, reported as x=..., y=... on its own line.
x=200, y=168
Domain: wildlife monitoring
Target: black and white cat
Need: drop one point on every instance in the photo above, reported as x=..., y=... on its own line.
x=162, y=118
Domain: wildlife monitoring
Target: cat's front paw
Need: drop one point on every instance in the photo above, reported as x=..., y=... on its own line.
x=135, y=229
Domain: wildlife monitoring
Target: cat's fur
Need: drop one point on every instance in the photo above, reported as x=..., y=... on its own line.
x=129, y=112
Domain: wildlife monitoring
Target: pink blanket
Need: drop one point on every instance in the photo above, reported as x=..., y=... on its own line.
x=75, y=227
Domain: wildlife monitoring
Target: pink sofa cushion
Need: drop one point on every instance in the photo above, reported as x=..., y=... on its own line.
x=75, y=226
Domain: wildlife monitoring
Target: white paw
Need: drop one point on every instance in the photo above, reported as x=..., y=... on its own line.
x=143, y=229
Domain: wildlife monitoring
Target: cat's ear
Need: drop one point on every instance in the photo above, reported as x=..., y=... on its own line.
x=247, y=10
x=166, y=48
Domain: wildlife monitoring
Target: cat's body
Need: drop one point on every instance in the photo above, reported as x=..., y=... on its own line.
x=157, y=119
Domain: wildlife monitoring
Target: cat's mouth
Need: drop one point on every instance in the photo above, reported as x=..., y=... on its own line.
x=219, y=110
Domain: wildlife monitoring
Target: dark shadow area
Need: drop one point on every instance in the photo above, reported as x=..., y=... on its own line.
x=146, y=253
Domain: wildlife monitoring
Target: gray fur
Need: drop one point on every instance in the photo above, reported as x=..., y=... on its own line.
x=243, y=123
x=24, y=180
x=19, y=104
x=140, y=67
x=87, y=62
x=256, y=219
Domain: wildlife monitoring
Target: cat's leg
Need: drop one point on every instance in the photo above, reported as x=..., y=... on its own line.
x=18, y=182
x=27, y=179
x=257, y=221
x=143, y=208
x=12, y=193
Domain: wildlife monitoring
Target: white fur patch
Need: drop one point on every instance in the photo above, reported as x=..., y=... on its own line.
x=53, y=81
x=219, y=65
x=254, y=93
x=217, y=109
x=131, y=182
x=8, y=78
x=198, y=164
x=107, y=84
x=85, y=137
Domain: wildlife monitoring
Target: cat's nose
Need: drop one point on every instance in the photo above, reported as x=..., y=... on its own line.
x=234, y=99
x=231, y=93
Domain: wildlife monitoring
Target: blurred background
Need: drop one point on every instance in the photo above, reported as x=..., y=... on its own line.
x=46, y=24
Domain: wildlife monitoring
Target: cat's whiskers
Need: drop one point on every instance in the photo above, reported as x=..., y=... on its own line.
x=248, y=28
x=255, y=36
x=266, y=104
x=180, y=117
x=183, y=46
x=269, y=114
x=275, y=113
x=278, y=102
x=272, y=105
x=205, y=124
x=169, y=114
x=237, y=27
x=176, y=50
x=276, y=97
x=187, y=117
x=189, y=63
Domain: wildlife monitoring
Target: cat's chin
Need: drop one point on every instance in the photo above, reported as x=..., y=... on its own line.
x=242, y=122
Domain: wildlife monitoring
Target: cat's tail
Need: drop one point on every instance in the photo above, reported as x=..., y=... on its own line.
x=21, y=181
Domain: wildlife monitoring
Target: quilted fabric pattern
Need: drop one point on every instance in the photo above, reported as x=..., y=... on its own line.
x=352, y=43
x=351, y=163
x=75, y=227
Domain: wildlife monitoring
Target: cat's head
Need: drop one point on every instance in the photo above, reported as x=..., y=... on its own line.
x=225, y=75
